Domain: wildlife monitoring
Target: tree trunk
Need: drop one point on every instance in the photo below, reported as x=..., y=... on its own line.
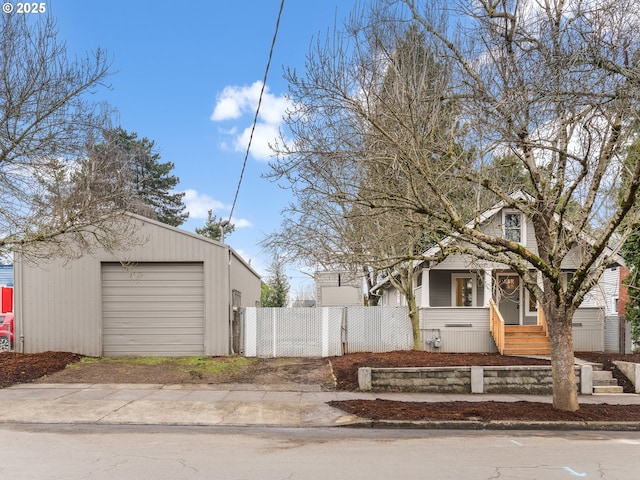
x=405, y=285
x=565, y=392
x=372, y=300
x=415, y=321
x=370, y=279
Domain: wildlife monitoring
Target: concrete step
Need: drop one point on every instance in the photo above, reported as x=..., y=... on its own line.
x=603, y=382
x=603, y=378
x=608, y=389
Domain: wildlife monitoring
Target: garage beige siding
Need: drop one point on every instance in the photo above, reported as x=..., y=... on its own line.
x=153, y=309
x=59, y=304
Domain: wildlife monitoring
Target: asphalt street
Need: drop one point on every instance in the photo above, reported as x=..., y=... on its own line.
x=173, y=453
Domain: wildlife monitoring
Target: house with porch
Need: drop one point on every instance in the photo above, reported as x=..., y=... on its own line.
x=471, y=305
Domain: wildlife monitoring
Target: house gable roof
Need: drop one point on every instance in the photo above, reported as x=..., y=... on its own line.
x=483, y=219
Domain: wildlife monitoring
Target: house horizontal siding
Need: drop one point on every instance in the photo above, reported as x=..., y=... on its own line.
x=438, y=291
x=6, y=275
x=461, y=330
x=339, y=288
x=588, y=330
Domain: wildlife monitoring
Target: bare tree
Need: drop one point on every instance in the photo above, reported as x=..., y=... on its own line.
x=551, y=86
x=317, y=233
x=327, y=226
x=556, y=85
x=59, y=196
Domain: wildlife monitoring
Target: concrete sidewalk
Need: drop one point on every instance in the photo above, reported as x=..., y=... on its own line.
x=234, y=405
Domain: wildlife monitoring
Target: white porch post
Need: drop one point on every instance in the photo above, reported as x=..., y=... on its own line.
x=425, y=301
x=488, y=286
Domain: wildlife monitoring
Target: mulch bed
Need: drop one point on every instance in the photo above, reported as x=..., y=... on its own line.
x=26, y=367
x=485, y=411
x=345, y=370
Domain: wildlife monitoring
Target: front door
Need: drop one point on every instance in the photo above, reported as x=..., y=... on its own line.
x=509, y=298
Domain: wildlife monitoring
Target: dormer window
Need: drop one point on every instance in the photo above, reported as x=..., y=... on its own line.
x=513, y=226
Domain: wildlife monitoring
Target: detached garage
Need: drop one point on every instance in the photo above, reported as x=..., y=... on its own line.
x=173, y=295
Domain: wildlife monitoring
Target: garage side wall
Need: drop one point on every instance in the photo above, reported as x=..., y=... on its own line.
x=245, y=281
x=59, y=307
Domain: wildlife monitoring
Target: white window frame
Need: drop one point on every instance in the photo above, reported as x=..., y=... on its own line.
x=527, y=301
x=523, y=224
x=474, y=289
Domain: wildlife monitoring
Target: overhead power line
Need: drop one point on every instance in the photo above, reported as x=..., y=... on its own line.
x=255, y=118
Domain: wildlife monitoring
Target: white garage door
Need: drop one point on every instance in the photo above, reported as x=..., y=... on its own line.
x=153, y=309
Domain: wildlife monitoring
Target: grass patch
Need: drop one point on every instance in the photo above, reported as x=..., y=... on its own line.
x=217, y=365
x=201, y=364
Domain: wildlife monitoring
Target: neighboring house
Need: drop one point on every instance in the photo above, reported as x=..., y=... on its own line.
x=618, y=328
x=339, y=288
x=6, y=275
x=175, y=295
x=6, y=288
x=454, y=297
x=303, y=303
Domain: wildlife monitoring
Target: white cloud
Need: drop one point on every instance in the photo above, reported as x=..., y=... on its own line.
x=263, y=136
x=241, y=222
x=198, y=204
x=273, y=108
x=236, y=103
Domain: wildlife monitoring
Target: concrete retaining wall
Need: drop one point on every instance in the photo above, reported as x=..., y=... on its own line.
x=510, y=380
x=631, y=371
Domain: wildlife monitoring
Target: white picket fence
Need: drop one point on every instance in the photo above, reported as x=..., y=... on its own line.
x=324, y=331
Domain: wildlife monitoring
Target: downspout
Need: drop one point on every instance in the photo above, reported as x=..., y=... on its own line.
x=230, y=301
x=17, y=305
x=223, y=225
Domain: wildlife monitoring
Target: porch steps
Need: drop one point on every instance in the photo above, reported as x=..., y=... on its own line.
x=525, y=340
x=603, y=382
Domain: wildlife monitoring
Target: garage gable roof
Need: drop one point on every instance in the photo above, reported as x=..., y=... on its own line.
x=178, y=231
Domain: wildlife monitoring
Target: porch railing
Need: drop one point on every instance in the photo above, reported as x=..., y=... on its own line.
x=542, y=320
x=497, y=325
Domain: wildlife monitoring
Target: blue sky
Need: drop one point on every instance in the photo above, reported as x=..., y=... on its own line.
x=187, y=75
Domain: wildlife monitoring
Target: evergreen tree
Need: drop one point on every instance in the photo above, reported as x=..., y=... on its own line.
x=150, y=179
x=275, y=292
x=213, y=228
x=631, y=254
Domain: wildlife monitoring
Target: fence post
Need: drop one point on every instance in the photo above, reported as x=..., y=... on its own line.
x=251, y=332
x=274, y=336
x=344, y=333
x=325, y=331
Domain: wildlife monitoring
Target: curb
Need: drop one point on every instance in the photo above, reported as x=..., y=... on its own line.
x=496, y=425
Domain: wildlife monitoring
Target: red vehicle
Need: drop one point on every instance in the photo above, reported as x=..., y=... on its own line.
x=6, y=331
